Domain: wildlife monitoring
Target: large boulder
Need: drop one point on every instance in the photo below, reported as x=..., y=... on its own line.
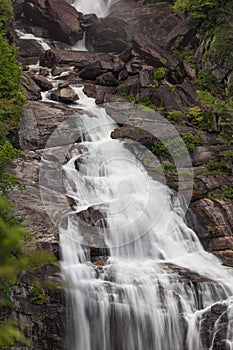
x=38, y=122
x=29, y=50
x=57, y=16
x=108, y=35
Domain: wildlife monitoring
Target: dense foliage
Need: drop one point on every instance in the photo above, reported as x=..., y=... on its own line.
x=12, y=96
x=13, y=253
x=215, y=27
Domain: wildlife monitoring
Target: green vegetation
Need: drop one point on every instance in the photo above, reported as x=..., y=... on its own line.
x=147, y=104
x=206, y=79
x=159, y=75
x=227, y=191
x=14, y=257
x=37, y=295
x=200, y=9
x=129, y=96
x=223, y=166
x=12, y=96
x=178, y=145
x=175, y=115
x=192, y=140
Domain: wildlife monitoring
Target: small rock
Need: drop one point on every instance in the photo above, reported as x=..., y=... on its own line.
x=48, y=59
x=123, y=74
x=106, y=79
x=65, y=94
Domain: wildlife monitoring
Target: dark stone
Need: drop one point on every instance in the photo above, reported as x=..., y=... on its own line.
x=48, y=59
x=106, y=79
x=100, y=95
x=38, y=122
x=144, y=95
x=107, y=35
x=214, y=324
x=152, y=53
x=126, y=55
x=92, y=71
x=88, y=20
x=129, y=86
x=136, y=134
x=163, y=96
x=123, y=74
x=29, y=50
x=57, y=16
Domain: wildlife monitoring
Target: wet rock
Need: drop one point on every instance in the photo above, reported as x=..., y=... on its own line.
x=214, y=324
x=29, y=50
x=64, y=94
x=43, y=83
x=226, y=256
x=136, y=134
x=90, y=90
x=57, y=16
x=88, y=20
x=126, y=55
x=92, y=217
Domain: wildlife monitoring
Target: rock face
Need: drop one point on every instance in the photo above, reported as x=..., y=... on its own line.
x=40, y=309
x=57, y=16
x=39, y=121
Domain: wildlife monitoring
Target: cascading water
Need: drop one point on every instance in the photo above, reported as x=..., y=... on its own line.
x=137, y=296
x=100, y=8
x=136, y=299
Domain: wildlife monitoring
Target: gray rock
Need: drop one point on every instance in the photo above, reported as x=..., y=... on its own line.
x=43, y=83
x=64, y=94
x=40, y=119
x=33, y=91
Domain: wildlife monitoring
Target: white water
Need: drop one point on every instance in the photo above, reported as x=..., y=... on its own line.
x=28, y=36
x=100, y=8
x=136, y=301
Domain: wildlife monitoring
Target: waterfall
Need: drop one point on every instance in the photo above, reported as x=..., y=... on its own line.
x=137, y=294
x=100, y=8
x=136, y=278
